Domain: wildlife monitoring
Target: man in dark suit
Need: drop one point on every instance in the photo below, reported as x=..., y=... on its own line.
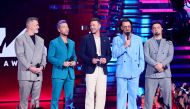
x=95, y=53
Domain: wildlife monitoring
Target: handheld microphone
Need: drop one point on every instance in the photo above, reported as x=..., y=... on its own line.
x=98, y=64
x=128, y=35
x=37, y=66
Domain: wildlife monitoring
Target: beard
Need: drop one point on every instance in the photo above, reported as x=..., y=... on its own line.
x=93, y=31
x=36, y=31
x=65, y=34
x=156, y=34
x=127, y=33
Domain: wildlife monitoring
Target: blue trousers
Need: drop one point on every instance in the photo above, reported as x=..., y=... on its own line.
x=57, y=86
x=127, y=86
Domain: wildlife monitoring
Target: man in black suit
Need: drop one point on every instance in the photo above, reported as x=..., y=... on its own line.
x=95, y=52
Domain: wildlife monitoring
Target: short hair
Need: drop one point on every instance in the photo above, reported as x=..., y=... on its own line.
x=156, y=22
x=29, y=19
x=96, y=19
x=125, y=20
x=60, y=22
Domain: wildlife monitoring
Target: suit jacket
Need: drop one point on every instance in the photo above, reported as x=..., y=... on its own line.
x=154, y=54
x=29, y=54
x=87, y=51
x=130, y=60
x=58, y=54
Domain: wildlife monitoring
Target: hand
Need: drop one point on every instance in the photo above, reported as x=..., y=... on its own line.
x=127, y=43
x=184, y=84
x=95, y=60
x=73, y=63
x=173, y=87
x=161, y=70
x=103, y=60
x=159, y=67
x=33, y=69
x=66, y=64
x=39, y=69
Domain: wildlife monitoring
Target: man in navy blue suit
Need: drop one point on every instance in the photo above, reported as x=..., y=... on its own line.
x=95, y=52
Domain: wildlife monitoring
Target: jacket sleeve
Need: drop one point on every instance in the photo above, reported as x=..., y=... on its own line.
x=19, y=50
x=51, y=56
x=74, y=54
x=108, y=52
x=141, y=57
x=44, y=55
x=117, y=48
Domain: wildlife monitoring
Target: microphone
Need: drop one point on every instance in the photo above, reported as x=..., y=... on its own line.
x=98, y=64
x=128, y=35
x=37, y=66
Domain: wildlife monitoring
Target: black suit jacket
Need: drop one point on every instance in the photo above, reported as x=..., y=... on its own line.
x=87, y=51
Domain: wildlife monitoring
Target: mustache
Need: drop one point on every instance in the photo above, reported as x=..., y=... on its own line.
x=156, y=33
x=127, y=33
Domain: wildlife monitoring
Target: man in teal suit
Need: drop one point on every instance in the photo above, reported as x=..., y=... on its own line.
x=62, y=56
x=128, y=50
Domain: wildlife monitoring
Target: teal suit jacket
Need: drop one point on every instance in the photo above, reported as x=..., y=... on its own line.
x=58, y=54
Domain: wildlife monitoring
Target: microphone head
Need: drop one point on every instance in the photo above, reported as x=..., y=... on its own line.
x=127, y=34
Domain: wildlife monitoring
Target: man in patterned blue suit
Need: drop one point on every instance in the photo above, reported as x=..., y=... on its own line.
x=62, y=56
x=128, y=50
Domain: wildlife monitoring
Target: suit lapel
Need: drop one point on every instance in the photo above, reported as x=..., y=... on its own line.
x=30, y=42
x=162, y=44
x=154, y=44
x=62, y=45
x=92, y=41
x=102, y=43
x=37, y=43
x=158, y=48
x=69, y=48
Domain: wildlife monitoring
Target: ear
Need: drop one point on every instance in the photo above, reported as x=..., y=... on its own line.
x=58, y=30
x=121, y=28
x=151, y=30
x=99, y=25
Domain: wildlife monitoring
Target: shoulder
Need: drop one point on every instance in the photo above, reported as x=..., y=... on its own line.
x=148, y=41
x=105, y=37
x=21, y=37
x=169, y=42
x=55, y=39
x=136, y=37
x=117, y=37
x=86, y=38
x=40, y=38
x=71, y=41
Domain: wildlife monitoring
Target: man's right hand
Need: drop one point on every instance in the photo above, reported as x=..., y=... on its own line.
x=127, y=43
x=159, y=67
x=95, y=60
x=33, y=69
x=66, y=64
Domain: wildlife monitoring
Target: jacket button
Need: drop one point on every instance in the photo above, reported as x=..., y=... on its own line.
x=123, y=61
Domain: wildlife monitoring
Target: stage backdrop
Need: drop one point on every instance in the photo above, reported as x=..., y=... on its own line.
x=13, y=14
